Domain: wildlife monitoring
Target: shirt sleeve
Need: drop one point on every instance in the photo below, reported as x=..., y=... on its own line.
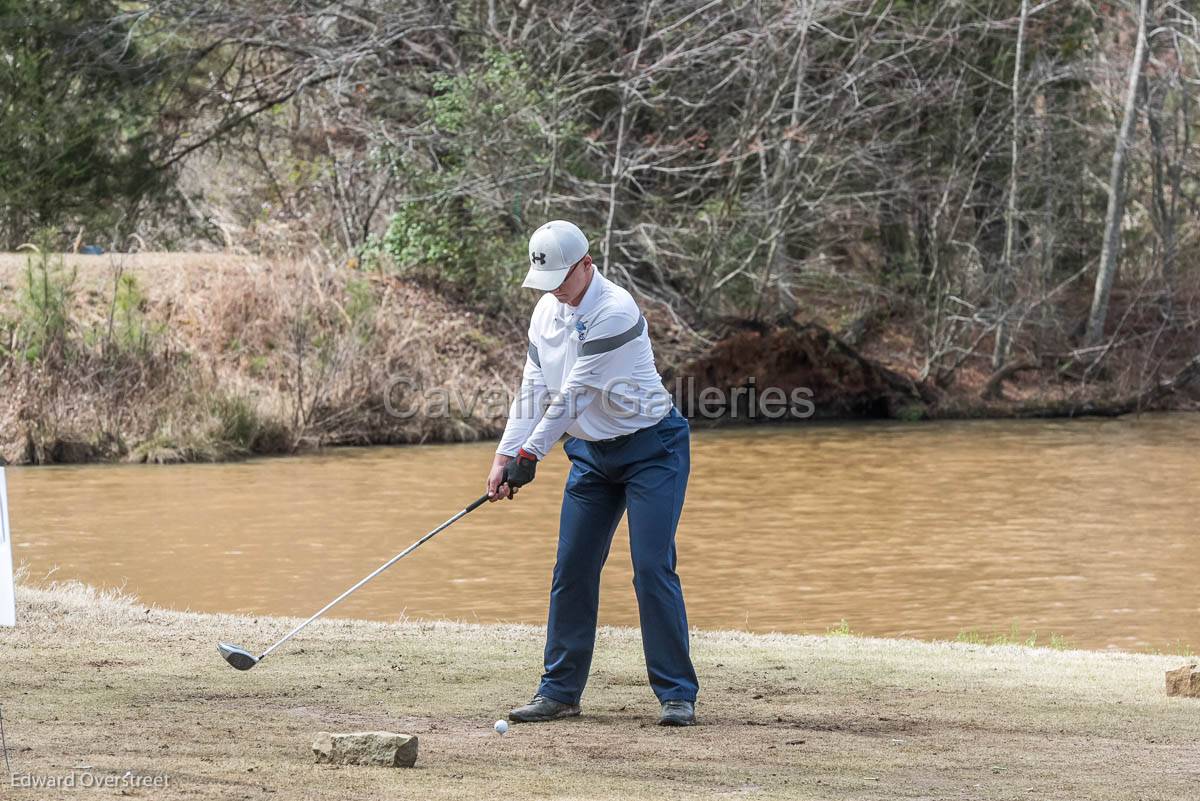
x=587, y=379
x=526, y=408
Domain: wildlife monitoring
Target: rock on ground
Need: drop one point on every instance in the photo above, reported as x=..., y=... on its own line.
x=1184, y=681
x=378, y=748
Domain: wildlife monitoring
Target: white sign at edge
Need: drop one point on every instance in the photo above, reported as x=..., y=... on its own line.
x=8, y=608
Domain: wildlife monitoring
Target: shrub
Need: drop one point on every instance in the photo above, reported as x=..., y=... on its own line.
x=44, y=308
x=450, y=246
x=468, y=235
x=241, y=430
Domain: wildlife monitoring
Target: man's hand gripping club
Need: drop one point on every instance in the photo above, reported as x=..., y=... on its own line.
x=509, y=473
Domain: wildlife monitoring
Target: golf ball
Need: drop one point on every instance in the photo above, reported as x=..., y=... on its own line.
x=501, y=726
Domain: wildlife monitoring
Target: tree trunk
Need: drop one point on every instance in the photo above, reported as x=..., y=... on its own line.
x=1116, y=191
x=617, y=166
x=1007, y=270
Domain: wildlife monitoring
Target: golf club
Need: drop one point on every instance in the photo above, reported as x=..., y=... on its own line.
x=242, y=659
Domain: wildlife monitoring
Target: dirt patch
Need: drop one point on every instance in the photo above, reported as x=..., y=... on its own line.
x=781, y=716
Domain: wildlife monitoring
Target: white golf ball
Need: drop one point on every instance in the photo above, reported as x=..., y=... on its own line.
x=501, y=726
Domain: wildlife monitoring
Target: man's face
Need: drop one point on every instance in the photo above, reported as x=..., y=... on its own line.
x=571, y=289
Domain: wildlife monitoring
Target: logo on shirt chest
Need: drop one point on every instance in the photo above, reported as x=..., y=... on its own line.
x=581, y=329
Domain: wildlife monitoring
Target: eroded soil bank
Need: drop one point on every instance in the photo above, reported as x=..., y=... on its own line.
x=161, y=357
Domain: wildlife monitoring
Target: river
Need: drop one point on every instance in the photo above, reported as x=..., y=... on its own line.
x=1087, y=529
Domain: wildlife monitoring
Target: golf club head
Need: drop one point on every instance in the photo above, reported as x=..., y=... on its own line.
x=240, y=658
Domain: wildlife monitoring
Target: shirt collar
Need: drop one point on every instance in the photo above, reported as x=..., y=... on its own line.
x=588, y=301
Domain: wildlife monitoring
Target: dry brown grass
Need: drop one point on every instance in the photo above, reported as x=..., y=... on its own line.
x=97, y=680
x=247, y=356
x=250, y=356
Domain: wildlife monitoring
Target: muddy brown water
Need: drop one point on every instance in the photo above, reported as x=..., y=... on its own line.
x=1087, y=529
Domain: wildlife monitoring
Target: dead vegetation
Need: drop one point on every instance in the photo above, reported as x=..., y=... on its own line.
x=163, y=358
x=205, y=357
x=1001, y=195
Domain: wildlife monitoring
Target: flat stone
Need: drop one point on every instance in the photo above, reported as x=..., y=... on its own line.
x=383, y=749
x=1184, y=681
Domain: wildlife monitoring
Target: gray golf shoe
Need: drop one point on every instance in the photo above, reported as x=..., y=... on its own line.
x=541, y=709
x=678, y=713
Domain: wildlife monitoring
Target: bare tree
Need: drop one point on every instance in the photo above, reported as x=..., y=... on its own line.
x=1110, y=253
x=733, y=160
x=1000, y=353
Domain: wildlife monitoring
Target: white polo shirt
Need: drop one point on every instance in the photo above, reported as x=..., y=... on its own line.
x=589, y=372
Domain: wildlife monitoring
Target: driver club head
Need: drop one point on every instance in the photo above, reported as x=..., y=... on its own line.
x=240, y=658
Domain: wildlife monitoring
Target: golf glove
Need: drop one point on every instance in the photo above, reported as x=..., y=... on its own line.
x=520, y=470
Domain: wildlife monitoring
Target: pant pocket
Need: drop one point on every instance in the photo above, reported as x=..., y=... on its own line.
x=668, y=432
x=572, y=447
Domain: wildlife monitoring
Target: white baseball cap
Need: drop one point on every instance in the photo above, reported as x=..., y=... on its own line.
x=553, y=250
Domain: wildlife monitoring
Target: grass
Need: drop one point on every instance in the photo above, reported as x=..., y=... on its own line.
x=95, y=679
x=842, y=629
x=1181, y=649
x=190, y=357
x=1013, y=636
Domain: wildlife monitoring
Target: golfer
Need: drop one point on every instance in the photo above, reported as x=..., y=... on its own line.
x=590, y=373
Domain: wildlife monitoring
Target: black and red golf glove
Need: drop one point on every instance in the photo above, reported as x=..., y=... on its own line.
x=520, y=470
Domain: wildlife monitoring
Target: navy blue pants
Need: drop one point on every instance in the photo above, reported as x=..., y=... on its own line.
x=646, y=473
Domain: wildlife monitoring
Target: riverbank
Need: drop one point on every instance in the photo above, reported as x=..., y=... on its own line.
x=162, y=357
x=99, y=684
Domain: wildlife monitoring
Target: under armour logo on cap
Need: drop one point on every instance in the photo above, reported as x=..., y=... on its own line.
x=540, y=258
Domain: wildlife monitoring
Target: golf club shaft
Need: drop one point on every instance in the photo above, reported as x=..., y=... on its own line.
x=473, y=506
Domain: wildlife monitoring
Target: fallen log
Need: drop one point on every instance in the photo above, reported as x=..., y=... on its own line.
x=1145, y=400
x=992, y=389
